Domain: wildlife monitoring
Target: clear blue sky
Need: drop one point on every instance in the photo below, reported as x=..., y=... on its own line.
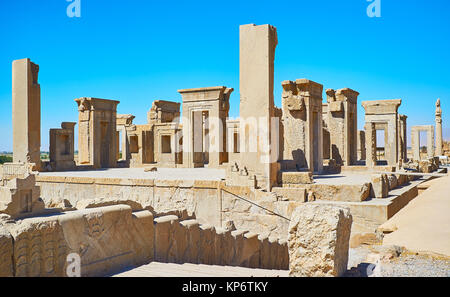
x=142, y=50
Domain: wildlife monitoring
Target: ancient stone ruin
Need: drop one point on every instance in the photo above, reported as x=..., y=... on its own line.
x=282, y=188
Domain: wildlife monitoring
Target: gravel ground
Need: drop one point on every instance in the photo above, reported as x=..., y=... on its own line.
x=365, y=261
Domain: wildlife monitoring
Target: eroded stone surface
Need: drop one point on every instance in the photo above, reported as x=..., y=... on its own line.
x=319, y=240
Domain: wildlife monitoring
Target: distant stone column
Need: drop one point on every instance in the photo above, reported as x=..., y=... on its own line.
x=438, y=128
x=371, y=144
x=26, y=112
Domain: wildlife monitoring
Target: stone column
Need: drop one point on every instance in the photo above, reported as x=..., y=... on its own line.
x=26, y=112
x=256, y=77
x=371, y=144
x=430, y=142
x=402, y=138
x=438, y=128
x=415, y=143
x=361, y=145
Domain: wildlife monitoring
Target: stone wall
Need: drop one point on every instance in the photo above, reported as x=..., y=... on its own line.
x=210, y=202
x=39, y=246
x=188, y=241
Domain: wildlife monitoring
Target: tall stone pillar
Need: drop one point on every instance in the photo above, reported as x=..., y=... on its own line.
x=26, y=112
x=342, y=122
x=402, y=138
x=438, y=128
x=257, y=109
x=371, y=144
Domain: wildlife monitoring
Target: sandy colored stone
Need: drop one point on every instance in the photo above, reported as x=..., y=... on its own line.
x=97, y=137
x=380, y=186
x=357, y=192
x=21, y=197
x=256, y=83
x=6, y=253
x=319, y=240
x=26, y=112
x=392, y=181
x=302, y=125
x=296, y=178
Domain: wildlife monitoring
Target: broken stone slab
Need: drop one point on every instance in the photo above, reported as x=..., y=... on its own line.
x=21, y=197
x=296, y=178
x=393, y=182
x=318, y=241
x=380, y=186
x=356, y=193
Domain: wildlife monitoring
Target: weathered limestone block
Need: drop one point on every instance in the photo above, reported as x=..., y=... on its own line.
x=6, y=254
x=251, y=250
x=40, y=248
x=20, y=197
x=393, y=182
x=356, y=193
x=264, y=253
x=98, y=236
x=228, y=248
x=319, y=238
x=143, y=233
x=402, y=179
x=380, y=186
x=42, y=244
x=180, y=242
x=93, y=203
x=164, y=227
x=219, y=243
x=290, y=194
x=273, y=246
x=192, y=229
x=206, y=253
x=283, y=255
x=296, y=178
x=238, y=237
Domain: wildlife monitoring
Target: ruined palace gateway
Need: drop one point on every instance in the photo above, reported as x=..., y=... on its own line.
x=342, y=125
x=415, y=141
x=97, y=132
x=62, y=147
x=204, y=134
x=439, y=145
x=382, y=115
x=302, y=125
x=26, y=112
x=123, y=122
x=258, y=150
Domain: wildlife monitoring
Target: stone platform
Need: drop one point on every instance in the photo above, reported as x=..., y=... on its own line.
x=140, y=173
x=373, y=212
x=157, y=269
